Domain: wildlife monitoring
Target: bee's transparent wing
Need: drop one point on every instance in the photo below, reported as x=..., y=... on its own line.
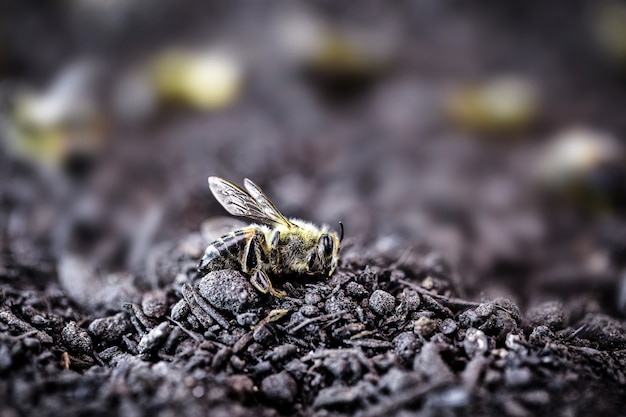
x=238, y=202
x=265, y=203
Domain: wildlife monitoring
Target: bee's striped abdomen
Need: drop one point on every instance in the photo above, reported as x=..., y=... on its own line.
x=226, y=252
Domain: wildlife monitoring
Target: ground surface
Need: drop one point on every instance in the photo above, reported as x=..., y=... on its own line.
x=460, y=290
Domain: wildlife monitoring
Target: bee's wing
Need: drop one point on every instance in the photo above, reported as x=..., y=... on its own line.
x=238, y=202
x=265, y=203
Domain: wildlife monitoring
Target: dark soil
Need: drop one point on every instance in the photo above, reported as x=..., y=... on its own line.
x=461, y=289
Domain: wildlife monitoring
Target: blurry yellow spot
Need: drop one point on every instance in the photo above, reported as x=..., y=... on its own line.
x=49, y=127
x=339, y=55
x=501, y=106
x=573, y=154
x=205, y=81
x=65, y=360
x=610, y=29
x=586, y=167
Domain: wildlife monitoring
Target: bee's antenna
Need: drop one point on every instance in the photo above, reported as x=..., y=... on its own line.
x=341, y=234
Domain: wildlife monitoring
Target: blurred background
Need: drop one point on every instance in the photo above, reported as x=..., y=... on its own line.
x=487, y=134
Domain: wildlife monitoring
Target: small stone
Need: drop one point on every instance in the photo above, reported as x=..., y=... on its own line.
x=308, y=310
x=382, y=303
x=221, y=358
x=76, y=338
x=337, y=366
x=263, y=335
x=541, y=335
x=312, y=298
x=282, y=353
x=430, y=364
x=227, y=290
x=110, y=329
x=450, y=398
x=154, y=303
x=513, y=342
x=6, y=360
x=475, y=342
x=247, y=319
x=411, y=300
x=405, y=345
x=109, y=353
x=241, y=385
x=468, y=319
x=31, y=343
x=396, y=380
x=152, y=340
x=280, y=389
x=424, y=327
x=448, y=327
x=517, y=377
x=504, y=304
x=547, y=314
x=339, y=302
x=356, y=290
x=180, y=310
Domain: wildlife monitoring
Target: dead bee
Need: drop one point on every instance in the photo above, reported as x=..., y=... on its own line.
x=277, y=246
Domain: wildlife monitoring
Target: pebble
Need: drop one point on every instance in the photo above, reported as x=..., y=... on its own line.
x=280, y=388
x=312, y=298
x=247, y=319
x=424, y=327
x=475, y=342
x=110, y=329
x=517, y=377
x=448, y=327
x=263, y=335
x=309, y=310
x=405, y=345
x=228, y=290
x=6, y=360
x=152, y=340
x=109, y=353
x=180, y=310
x=339, y=302
x=411, y=300
x=282, y=353
x=336, y=396
x=541, y=335
x=381, y=302
x=76, y=338
x=430, y=364
x=154, y=303
x=396, y=380
x=356, y=290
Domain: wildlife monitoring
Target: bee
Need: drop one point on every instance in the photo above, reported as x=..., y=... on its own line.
x=274, y=245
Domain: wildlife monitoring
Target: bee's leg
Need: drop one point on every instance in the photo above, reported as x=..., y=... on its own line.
x=252, y=256
x=261, y=282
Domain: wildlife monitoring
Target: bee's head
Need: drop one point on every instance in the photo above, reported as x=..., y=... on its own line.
x=324, y=259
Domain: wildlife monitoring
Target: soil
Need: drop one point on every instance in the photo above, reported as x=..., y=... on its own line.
x=462, y=289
